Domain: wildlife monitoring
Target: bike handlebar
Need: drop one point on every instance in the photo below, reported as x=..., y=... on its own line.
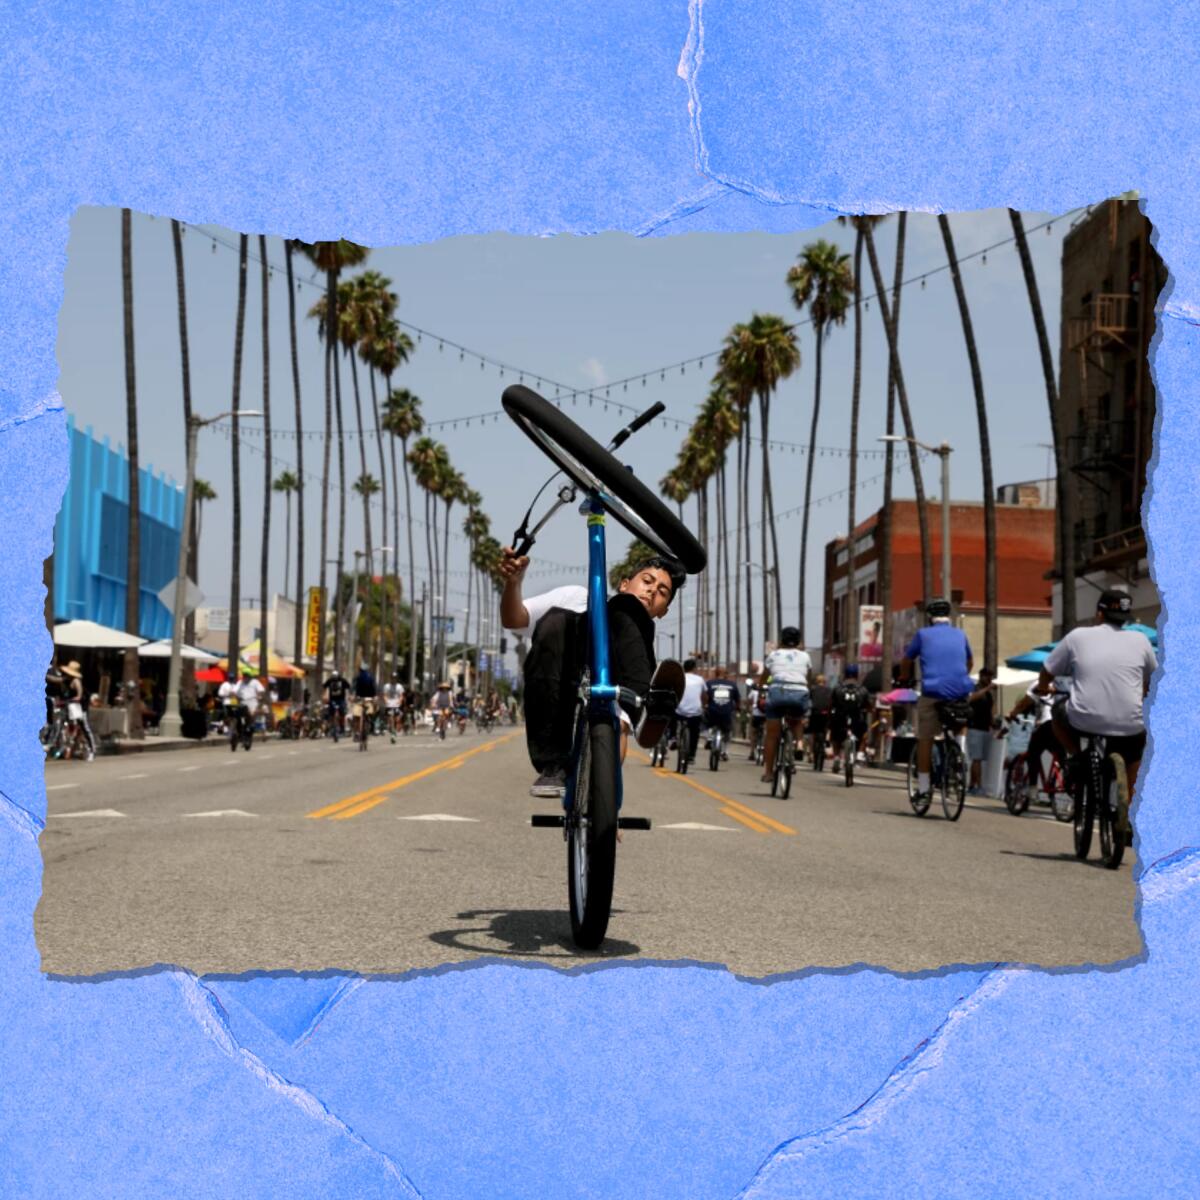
x=637, y=423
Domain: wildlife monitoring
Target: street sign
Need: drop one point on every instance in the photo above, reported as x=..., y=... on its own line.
x=483, y=660
x=312, y=621
x=442, y=622
x=218, y=620
x=193, y=597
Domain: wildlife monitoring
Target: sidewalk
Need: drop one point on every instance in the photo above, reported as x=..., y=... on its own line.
x=156, y=742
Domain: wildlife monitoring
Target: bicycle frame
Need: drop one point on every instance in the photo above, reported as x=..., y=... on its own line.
x=597, y=693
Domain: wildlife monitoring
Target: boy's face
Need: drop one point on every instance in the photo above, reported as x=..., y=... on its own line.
x=652, y=586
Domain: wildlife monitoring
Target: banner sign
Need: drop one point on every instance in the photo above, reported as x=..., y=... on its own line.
x=870, y=635
x=312, y=621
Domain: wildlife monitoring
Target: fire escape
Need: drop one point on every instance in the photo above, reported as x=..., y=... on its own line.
x=1103, y=449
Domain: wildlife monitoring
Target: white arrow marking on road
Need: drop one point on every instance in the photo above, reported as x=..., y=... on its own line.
x=93, y=812
x=61, y=787
x=222, y=812
x=187, y=768
x=700, y=825
x=438, y=817
x=265, y=757
x=140, y=775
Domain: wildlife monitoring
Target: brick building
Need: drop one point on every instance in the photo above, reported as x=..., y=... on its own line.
x=1111, y=278
x=1025, y=547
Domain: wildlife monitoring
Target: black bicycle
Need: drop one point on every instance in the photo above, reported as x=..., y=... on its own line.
x=658, y=756
x=716, y=747
x=592, y=801
x=1099, y=786
x=785, y=763
x=237, y=718
x=683, y=744
x=948, y=766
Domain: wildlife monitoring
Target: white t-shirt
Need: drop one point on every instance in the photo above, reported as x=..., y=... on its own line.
x=788, y=664
x=692, y=702
x=393, y=694
x=572, y=597
x=248, y=692
x=1109, y=669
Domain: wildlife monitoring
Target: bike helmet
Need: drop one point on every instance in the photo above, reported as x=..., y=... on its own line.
x=1116, y=607
x=851, y=672
x=937, y=608
x=789, y=636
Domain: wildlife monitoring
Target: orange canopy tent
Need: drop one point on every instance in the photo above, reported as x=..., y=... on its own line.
x=277, y=668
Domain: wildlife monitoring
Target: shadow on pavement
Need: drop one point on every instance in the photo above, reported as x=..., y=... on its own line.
x=524, y=933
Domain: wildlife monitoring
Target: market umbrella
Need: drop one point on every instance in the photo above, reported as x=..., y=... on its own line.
x=1150, y=633
x=244, y=668
x=162, y=649
x=900, y=696
x=90, y=636
x=210, y=675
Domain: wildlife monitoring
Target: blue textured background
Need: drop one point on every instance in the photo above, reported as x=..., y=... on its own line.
x=405, y=124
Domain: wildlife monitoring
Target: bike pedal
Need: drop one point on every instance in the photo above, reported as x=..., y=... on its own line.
x=633, y=822
x=546, y=820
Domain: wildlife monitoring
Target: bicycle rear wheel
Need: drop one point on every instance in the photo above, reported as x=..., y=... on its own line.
x=683, y=744
x=1084, y=816
x=592, y=834
x=1114, y=811
x=848, y=755
x=954, y=780
x=1016, y=786
x=714, y=751
x=787, y=763
x=596, y=470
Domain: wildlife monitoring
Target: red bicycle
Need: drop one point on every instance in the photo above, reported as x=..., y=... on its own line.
x=1024, y=780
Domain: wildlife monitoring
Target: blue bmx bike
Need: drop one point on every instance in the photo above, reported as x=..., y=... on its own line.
x=592, y=801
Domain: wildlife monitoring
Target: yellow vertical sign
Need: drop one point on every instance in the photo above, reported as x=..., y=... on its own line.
x=312, y=624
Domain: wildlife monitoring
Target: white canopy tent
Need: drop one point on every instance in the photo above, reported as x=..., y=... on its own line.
x=162, y=649
x=88, y=635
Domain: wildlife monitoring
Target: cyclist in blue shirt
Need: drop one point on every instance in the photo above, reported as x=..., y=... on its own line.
x=945, y=657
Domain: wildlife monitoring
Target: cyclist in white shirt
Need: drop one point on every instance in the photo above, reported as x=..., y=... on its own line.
x=690, y=710
x=248, y=692
x=393, y=699
x=785, y=675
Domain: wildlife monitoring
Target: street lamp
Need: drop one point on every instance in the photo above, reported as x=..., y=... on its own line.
x=171, y=722
x=943, y=452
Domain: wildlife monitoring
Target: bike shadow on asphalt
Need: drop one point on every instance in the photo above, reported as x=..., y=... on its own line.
x=1065, y=856
x=525, y=933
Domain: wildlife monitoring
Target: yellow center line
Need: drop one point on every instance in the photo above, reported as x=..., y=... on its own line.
x=361, y=802
x=729, y=812
x=752, y=813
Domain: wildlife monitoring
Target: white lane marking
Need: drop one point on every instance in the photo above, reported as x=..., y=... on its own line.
x=93, y=812
x=438, y=817
x=292, y=752
x=222, y=812
x=232, y=762
x=140, y=775
x=700, y=825
x=263, y=757
x=185, y=769
x=61, y=787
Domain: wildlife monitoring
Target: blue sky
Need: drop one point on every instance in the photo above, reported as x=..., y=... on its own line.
x=581, y=311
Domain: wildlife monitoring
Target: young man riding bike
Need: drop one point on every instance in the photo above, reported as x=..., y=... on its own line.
x=337, y=692
x=689, y=712
x=393, y=702
x=785, y=675
x=850, y=706
x=556, y=624
x=248, y=692
x=1110, y=669
x=945, y=657
x=721, y=702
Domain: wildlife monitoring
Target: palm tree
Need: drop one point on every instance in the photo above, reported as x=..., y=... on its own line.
x=885, y=532
x=720, y=419
x=889, y=325
x=131, y=673
x=288, y=246
x=188, y=674
x=1064, y=489
x=264, y=648
x=402, y=419
x=762, y=357
x=821, y=280
x=235, y=579
x=286, y=484
x=990, y=600
x=366, y=486
x=332, y=258
x=454, y=489
x=424, y=460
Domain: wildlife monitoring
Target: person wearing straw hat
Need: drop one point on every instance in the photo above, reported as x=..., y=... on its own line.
x=77, y=703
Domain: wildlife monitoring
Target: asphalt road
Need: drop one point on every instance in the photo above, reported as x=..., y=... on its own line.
x=310, y=856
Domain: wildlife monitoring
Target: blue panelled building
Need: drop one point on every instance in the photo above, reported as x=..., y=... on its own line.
x=91, y=534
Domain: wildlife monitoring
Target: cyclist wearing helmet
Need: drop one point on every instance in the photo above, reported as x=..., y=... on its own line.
x=946, y=659
x=785, y=673
x=1110, y=669
x=850, y=706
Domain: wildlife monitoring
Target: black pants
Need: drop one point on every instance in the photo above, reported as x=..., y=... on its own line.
x=558, y=654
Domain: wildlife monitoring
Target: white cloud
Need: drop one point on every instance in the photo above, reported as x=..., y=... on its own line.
x=593, y=368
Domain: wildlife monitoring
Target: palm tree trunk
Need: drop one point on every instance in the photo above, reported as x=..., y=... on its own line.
x=889, y=325
x=287, y=541
x=428, y=607
x=728, y=574
x=297, y=644
x=746, y=519
x=412, y=567
x=1064, y=485
x=855, y=395
x=383, y=527
x=719, y=520
x=131, y=673
x=339, y=603
x=885, y=533
x=187, y=679
x=235, y=579
x=738, y=555
x=264, y=648
x=445, y=578
x=990, y=599
x=316, y=692
x=769, y=517
x=764, y=508
x=819, y=333
x=362, y=454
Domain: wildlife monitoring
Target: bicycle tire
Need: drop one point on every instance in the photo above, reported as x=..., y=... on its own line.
x=714, y=753
x=848, y=756
x=683, y=744
x=787, y=756
x=1115, y=812
x=593, y=468
x=1084, y=815
x=920, y=807
x=819, y=751
x=954, y=781
x=1016, y=786
x=592, y=835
